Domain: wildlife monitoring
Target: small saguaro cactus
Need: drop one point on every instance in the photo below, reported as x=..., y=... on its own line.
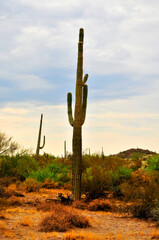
x=78, y=120
x=39, y=138
x=65, y=151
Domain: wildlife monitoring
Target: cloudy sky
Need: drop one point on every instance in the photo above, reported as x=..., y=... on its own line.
x=38, y=57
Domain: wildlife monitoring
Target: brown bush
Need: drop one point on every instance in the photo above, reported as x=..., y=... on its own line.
x=6, y=181
x=30, y=185
x=82, y=204
x=14, y=201
x=46, y=206
x=99, y=205
x=50, y=184
x=63, y=218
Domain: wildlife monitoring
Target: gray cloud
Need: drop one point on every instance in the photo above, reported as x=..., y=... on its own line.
x=39, y=38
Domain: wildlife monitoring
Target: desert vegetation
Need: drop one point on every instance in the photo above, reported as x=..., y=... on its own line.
x=112, y=185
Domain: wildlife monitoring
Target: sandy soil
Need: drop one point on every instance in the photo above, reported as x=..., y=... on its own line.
x=22, y=222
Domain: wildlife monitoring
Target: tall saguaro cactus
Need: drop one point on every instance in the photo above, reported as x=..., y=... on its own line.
x=78, y=120
x=39, y=138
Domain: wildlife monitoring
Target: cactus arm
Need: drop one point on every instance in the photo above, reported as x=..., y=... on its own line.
x=69, y=108
x=84, y=103
x=85, y=79
x=43, y=143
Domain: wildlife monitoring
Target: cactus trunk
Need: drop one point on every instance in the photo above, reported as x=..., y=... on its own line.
x=77, y=162
x=79, y=118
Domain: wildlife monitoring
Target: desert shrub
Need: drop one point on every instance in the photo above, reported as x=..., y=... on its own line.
x=17, y=166
x=3, y=203
x=154, y=213
x=95, y=181
x=14, y=201
x=108, y=162
x=143, y=191
x=117, y=192
x=26, y=164
x=63, y=218
x=153, y=164
x=101, y=174
x=46, y=206
x=6, y=181
x=136, y=162
x=45, y=159
x=58, y=172
x=10, y=190
x=30, y=185
x=80, y=204
x=49, y=183
x=120, y=175
x=99, y=205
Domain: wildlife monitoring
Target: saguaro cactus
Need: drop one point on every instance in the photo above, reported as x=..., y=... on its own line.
x=79, y=118
x=65, y=151
x=39, y=138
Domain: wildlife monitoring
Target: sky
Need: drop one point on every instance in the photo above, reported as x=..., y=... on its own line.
x=38, y=59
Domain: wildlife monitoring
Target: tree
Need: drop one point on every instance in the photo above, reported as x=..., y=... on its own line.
x=7, y=145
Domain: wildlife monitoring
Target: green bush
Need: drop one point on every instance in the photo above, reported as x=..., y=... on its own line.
x=17, y=166
x=120, y=175
x=58, y=172
x=153, y=164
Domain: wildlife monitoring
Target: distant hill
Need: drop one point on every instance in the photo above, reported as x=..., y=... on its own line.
x=130, y=152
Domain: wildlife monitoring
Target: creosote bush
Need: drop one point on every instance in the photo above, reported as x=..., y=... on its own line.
x=63, y=218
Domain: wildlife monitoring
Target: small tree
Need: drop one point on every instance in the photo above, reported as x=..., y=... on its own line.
x=7, y=145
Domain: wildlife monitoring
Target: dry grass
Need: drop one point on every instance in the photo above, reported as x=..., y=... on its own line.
x=46, y=206
x=63, y=218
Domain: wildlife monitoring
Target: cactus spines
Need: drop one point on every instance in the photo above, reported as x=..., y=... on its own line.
x=78, y=120
x=39, y=138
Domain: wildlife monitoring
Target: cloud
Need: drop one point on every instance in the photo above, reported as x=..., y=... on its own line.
x=38, y=57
